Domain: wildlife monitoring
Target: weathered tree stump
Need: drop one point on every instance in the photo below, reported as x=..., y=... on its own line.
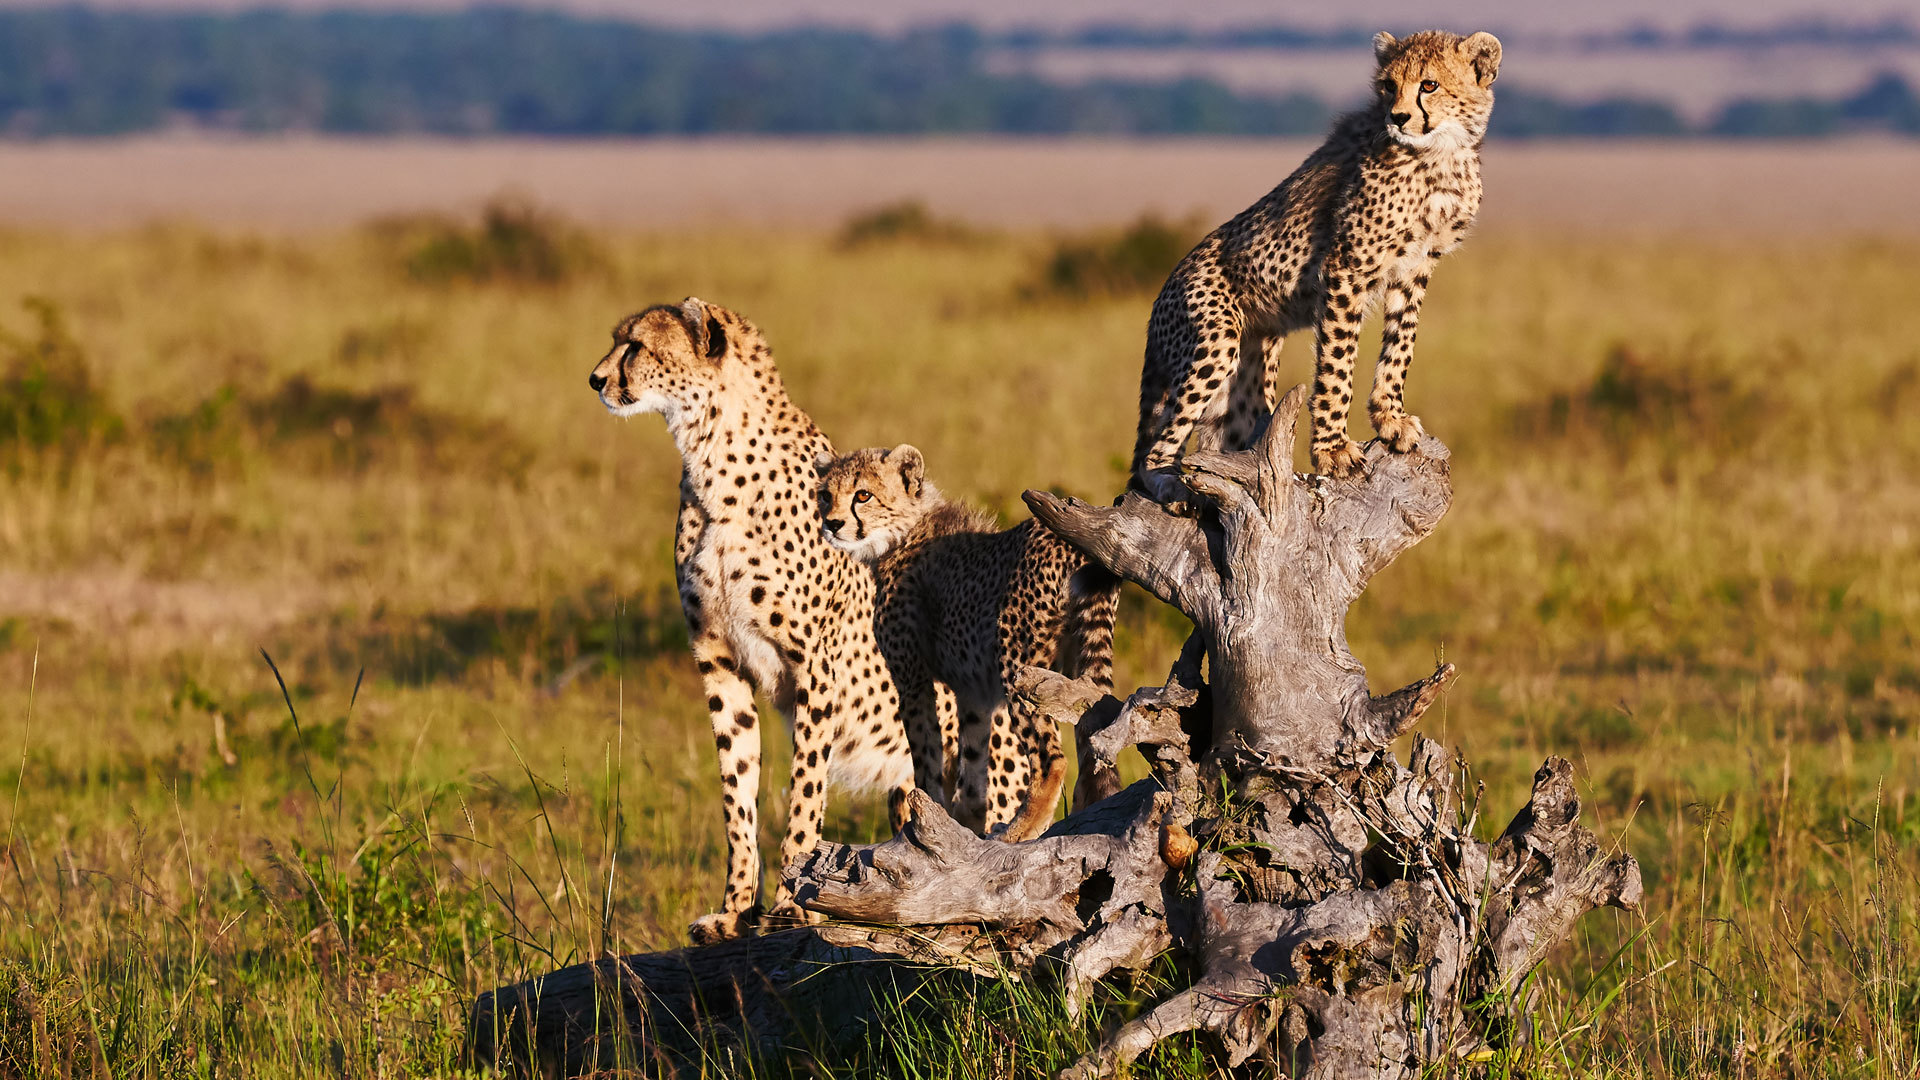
x=1336, y=904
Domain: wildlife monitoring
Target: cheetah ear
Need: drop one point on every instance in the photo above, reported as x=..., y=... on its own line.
x=709, y=336
x=913, y=468
x=1383, y=44
x=823, y=461
x=1484, y=50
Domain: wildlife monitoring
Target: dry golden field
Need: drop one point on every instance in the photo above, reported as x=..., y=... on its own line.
x=305, y=183
x=1683, y=553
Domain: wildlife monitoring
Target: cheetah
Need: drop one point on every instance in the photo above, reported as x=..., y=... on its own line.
x=770, y=605
x=969, y=606
x=1361, y=222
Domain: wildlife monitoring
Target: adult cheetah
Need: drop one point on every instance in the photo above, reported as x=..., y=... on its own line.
x=1361, y=222
x=969, y=606
x=770, y=605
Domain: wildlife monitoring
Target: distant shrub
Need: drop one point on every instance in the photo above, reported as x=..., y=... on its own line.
x=548, y=645
x=202, y=438
x=322, y=427
x=513, y=242
x=393, y=340
x=1135, y=260
x=48, y=399
x=1633, y=397
x=908, y=220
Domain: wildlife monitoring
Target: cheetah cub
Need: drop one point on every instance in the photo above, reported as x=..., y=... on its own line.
x=769, y=604
x=1359, y=224
x=968, y=606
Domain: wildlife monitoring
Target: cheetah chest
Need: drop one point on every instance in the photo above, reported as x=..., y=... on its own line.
x=1449, y=213
x=736, y=584
x=1451, y=204
x=1436, y=223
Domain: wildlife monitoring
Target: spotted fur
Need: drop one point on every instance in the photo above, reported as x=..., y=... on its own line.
x=770, y=605
x=965, y=605
x=1360, y=224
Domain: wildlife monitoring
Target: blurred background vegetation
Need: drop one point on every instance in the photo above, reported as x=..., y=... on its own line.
x=82, y=71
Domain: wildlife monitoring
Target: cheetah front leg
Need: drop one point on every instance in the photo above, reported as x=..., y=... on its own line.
x=736, y=734
x=1385, y=406
x=947, y=710
x=814, y=702
x=1007, y=769
x=1336, y=340
x=926, y=709
x=972, y=736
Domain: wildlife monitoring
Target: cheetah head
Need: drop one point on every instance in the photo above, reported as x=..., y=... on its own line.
x=667, y=360
x=1436, y=88
x=871, y=499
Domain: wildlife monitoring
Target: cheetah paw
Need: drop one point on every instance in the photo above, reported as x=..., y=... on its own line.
x=1401, y=433
x=722, y=926
x=1165, y=487
x=789, y=914
x=1343, y=459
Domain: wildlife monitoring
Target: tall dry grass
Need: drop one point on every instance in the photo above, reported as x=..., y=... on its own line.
x=1682, y=553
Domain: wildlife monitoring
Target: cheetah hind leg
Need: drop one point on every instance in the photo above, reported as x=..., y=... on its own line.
x=1047, y=777
x=1042, y=797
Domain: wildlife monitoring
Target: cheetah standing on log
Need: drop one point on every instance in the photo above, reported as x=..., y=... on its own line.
x=769, y=603
x=1361, y=222
x=970, y=606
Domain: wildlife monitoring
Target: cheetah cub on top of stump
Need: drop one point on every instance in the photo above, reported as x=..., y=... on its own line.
x=967, y=605
x=770, y=605
x=1360, y=223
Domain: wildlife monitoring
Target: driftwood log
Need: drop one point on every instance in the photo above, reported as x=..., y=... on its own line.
x=1335, y=904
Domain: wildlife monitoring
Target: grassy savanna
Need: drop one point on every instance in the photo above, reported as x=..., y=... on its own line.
x=1682, y=553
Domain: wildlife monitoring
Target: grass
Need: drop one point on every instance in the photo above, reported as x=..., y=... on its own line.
x=1682, y=553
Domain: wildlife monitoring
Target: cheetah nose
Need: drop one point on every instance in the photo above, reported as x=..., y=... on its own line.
x=1400, y=119
x=833, y=524
x=596, y=381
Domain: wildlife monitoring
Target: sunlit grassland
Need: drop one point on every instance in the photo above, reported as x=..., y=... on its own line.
x=1682, y=553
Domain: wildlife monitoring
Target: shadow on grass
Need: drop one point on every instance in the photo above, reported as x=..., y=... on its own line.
x=546, y=646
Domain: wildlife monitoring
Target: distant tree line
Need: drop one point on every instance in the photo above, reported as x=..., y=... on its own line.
x=1815, y=30
x=77, y=71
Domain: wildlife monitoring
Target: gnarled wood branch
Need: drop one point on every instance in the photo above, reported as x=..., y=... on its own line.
x=1266, y=569
x=1334, y=903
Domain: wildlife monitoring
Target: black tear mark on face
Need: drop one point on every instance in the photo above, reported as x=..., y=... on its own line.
x=716, y=339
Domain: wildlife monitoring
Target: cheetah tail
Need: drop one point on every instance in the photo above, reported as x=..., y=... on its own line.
x=1088, y=633
x=1089, y=636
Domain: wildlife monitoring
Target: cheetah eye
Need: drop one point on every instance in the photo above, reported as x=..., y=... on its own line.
x=1428, y=86
x=861, y=496
x=1386, y=87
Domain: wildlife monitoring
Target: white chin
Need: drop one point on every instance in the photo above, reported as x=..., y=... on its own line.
x=646, y=403
x=868, y=549
x=1446, y=136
